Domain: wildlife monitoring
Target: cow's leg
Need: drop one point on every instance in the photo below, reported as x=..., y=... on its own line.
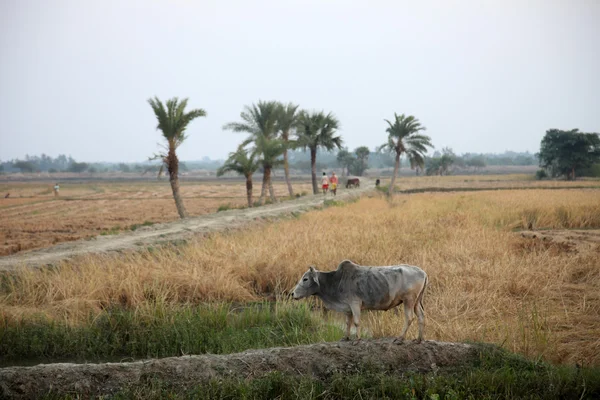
x=408, y=315
x=348, y=326
x=355, y=307
x=421, y=318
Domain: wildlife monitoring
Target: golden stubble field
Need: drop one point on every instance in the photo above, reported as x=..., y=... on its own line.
x=33, y=218
x=487, y=283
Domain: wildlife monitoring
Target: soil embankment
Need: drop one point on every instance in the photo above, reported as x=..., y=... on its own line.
x=319, y=360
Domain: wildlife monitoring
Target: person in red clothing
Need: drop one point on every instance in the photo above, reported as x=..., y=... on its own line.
x=325, y=183
x=334, y=182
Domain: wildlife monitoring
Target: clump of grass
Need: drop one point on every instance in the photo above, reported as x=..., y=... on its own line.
x=225, y=207
x=529, y=218
x=332, y=203
x=136, y=226
x=112, y=231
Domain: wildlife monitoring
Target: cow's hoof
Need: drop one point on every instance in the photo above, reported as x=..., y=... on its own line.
x=398, y=341
x=345, y=339
x=356, y=341
x=418, y=341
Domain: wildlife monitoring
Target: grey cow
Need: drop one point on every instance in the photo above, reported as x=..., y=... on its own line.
x=352, y=288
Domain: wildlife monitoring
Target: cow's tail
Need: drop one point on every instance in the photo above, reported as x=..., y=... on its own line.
x=419, y=302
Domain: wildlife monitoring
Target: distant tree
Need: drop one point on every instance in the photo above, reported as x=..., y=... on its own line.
x=244, y=164
x=261, y=122
x=566, y=152
x=476, y=163
x=345, y=159
x=440, y=165
x=78, y=167
x=24, y=166
x=286, y=123
x=360, y=163
x=404, y=138
x=172, y=122
x=124, y=167
x=317, y=130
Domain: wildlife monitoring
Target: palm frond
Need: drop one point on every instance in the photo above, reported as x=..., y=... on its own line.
x=172, y=119
x=317, y=129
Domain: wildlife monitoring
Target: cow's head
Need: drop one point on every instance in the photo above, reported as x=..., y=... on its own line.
x=308, y=284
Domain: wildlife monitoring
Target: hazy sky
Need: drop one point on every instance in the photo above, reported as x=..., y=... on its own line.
x=482, y=76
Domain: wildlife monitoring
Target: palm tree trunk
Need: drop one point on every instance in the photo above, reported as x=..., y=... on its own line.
x=286, y=166
x=249, y=189
x=263, y=190
x=396, y=169
x=271, y=190
x=313, y=169
x=173, y=167
x=177, y=196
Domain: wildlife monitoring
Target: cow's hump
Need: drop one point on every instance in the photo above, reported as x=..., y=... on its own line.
x=347, y=266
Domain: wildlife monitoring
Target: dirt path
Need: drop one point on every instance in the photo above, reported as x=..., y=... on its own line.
x=319, y=360
x=173, y=231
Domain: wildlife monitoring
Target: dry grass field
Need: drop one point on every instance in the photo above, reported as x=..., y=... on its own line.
x=33, y=218
x=478, y=182
x=487, y=282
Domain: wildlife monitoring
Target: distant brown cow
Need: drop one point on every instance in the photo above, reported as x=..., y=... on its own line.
x=353, y=182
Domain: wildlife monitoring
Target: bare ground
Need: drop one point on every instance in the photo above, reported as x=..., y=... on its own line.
x=173, y=231
x=319, y=360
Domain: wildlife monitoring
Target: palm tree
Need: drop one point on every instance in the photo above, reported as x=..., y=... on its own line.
x=269, y=153
x=317, y=130
x=244, y=164
x=404, y=138
x=260, y=121
x=288, y=116
x=172, y=122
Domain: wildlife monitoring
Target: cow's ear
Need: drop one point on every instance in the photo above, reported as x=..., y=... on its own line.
x=314, y=274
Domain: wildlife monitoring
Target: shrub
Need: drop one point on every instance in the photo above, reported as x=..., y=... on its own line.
x=541, y=174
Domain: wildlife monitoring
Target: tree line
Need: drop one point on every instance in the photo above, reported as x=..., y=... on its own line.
x=273, y=129
x=277, y=132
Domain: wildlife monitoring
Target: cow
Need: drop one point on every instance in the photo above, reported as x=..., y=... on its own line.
x=354, y=182
x=352, y=288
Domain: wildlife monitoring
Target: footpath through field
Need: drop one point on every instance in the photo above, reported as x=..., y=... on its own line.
x=179, y=230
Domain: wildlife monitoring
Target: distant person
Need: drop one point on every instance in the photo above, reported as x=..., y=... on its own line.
x=334, y=182
x=325, y=183
x=56, y=189
x=377, y=182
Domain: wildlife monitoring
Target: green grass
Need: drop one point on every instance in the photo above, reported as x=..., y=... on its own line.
x=225, y=207
x=333, y=203
x=136, y=226
x=500, y=375
x=161, y=331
